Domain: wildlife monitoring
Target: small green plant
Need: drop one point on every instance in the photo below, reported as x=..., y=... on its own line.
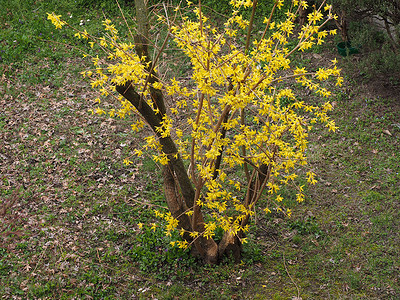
x=153, y=253
x=307, y=226
x=252, y=253
x=5, y=265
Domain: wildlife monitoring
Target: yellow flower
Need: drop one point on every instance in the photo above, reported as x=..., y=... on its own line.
x=182, y=244
x=311, y=177
x=56, y=20
x=279, y=4
x=194, y=234
x=127, y=162
x=85, y=35
x=157, y=85
x=99, y=111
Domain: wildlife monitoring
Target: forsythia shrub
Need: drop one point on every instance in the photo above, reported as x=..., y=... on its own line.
x=239, y=113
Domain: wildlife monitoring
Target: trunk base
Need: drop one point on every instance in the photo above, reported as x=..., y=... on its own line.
x=230, y=245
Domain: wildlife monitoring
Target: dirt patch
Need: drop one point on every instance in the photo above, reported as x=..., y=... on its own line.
x=382, y=86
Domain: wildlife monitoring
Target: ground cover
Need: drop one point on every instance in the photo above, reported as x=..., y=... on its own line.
x=70, y=211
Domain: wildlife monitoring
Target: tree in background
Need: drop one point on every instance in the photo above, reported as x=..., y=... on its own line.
x=374, y=27
x=236, y=132
x=384, y=14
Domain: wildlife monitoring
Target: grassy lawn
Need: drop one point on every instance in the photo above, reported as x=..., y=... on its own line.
x=70, y=208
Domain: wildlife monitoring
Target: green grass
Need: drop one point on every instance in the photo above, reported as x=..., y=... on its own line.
x=73, y=231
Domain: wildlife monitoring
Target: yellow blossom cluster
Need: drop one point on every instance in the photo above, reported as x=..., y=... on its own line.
x=56, y=20
x=241, y=109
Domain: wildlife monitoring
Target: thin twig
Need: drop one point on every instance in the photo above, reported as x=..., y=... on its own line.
x=291, y=279
x=145, y=204
x=123, y=16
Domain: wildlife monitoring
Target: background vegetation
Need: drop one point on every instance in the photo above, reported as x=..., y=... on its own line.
x=69, y=209
x=373, y=26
